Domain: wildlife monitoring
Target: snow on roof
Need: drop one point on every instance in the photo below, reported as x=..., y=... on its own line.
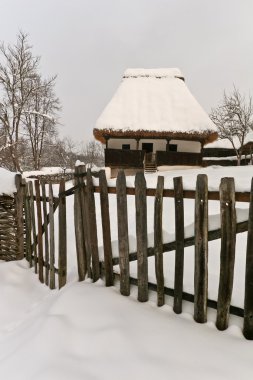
x=222, y=144
x=226, y=144
x=154, y=100
x=155, y=73
x=248, y=138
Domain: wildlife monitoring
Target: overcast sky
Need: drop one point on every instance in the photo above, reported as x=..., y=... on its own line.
x=89, y=44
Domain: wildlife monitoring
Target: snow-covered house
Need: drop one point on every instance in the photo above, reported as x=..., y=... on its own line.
x=222, y=152
x=153, y=119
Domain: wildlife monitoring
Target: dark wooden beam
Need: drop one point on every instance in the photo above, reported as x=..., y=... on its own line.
x=189, y=194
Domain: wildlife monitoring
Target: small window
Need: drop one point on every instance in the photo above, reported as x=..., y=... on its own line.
x=173, y=147
x=126, y=146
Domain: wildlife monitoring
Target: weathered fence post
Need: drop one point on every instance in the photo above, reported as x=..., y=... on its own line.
x=158, y=240
x=93, y=239
x=123, y=233
x=33, y=223
x=179, y=236
x=142, y=237
x=105, y=216
x=39, y=237
x=19, y=200
x=227, y=255
x=248, y=300
x=62, y=259
x=28, y=224
x=201, y=250
x=79, y=218
x=46, y=246
x=51, y=238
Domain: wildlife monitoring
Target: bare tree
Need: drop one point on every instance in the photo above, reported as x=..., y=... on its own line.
x=93, y=153
x=40, y=118
x=60, y=152
x=28, y=105
x=17, y=74
x=233, y=118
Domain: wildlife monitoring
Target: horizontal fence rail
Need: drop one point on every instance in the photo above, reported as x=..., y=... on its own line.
x=187, y=194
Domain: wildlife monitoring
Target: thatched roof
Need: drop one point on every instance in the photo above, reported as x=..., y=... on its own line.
x=154, y=103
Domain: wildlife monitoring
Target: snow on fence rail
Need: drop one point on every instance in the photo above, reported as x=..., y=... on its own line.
x=89, y=263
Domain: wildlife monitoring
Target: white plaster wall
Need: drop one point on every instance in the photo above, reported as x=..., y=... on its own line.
x=117, y=143
x=182, y=145
x=187, y=146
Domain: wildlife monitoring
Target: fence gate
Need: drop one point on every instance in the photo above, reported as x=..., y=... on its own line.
x=40, y=205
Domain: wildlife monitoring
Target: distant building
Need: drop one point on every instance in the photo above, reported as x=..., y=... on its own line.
x=153, y=120
x=221, y=152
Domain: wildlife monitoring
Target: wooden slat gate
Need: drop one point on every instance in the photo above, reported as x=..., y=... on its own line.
x=40, y=205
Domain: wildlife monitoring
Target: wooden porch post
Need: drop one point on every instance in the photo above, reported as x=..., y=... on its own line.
x=201, y=152
x=137, y=144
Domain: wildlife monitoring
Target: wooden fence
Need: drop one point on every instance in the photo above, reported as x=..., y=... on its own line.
x=88, y=260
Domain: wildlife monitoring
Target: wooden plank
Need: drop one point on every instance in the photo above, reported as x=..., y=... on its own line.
x=19, y=199
x=123, y=233
x=79, y=232
x=201, y=250
x=142, y=236
x=28, y=225
x=227, y=255
x=179, y=236
x=248, y=300
x=81, y=172
x=105, y=216
x=188, y=194
x=51, y=239
x=46, y=244
x=93, y=240
x=34, y=233
x=62, y=257
x=158, y=240
x=39, y=224
x=188, y=242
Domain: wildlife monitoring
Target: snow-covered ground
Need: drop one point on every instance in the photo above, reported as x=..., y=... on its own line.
x=87, y=331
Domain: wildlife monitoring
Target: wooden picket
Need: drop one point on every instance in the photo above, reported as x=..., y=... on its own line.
x=79, y=225
x=179, y=237
x=227, y=255
x=123, y=234
x=105, y=218
x=201, y=250
x=141, y=236
x=248, y=301
x=158, y=240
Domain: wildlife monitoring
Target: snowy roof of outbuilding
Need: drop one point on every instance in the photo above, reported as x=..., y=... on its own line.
x=226, y=144
x=223, y=144
x=248, y=138
x=157, y=103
